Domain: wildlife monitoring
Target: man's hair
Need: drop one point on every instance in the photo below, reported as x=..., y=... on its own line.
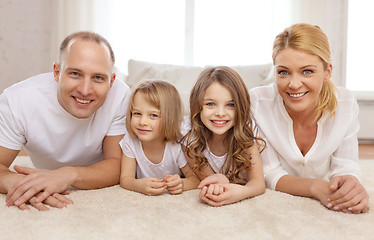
x=86, y=36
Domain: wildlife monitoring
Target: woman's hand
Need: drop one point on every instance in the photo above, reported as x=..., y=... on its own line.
x=348, y=195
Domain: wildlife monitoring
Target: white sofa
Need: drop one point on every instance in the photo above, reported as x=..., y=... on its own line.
x=184, y=77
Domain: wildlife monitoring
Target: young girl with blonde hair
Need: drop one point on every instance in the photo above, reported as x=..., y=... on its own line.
x=220, y=146
x=152, y=158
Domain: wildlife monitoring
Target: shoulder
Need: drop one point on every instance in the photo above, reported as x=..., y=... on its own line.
x=346, y=100
x=40, y=81
x=263, y=92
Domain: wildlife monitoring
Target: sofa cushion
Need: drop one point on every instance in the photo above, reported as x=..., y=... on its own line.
x=184, y=77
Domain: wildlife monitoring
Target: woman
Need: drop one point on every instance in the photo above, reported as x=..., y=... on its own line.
x=310, y=126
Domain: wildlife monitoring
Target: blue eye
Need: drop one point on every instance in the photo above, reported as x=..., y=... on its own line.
x=136, y=114
x=231, y=105
x=210, y=104
x=283, y=73
x=74, y=74
x=99, y=78
x=306, y=72
x=154, y=115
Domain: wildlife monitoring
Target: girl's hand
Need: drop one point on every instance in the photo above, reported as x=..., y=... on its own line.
x=221, y=194
x=174, y=184
x=217, y=178
x=349, y=195
x=152, y=186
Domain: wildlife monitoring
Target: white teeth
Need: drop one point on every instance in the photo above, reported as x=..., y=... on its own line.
x=296, y=94
x=219, y=122
x=82, y=100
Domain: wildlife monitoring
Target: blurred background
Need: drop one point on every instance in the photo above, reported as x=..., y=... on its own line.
x=190, y=32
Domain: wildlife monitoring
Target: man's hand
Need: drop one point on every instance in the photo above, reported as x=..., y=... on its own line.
x=55, y=200
x=37, y=183
x=349, y=195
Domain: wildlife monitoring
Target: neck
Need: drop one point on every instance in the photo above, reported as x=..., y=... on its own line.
x=218, y=144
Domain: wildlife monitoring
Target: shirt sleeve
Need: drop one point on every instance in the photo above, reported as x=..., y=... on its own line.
x=118, y=124
x=181, y=159
x=344, y=161
x=11, y=133
x=127, y=146
x=273, y=170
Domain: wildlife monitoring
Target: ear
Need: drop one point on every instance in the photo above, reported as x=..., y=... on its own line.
x=56, y=72
x=328, y=73
x=112, y=79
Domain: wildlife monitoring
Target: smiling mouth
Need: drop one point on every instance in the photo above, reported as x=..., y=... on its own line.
x=219, y=122
x=83, y=101
x=297, y=95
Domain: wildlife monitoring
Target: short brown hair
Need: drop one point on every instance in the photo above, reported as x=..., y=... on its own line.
x=86, y=36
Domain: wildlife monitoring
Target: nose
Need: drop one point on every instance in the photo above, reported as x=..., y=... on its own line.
x=143, y=121
x=220, y=112
x=295, y=82
x=85, y=87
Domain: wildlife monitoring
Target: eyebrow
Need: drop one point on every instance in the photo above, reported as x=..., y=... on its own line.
x=79, y=70
x=306, y=66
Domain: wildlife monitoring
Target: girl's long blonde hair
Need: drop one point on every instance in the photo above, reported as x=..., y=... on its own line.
x=240, y=136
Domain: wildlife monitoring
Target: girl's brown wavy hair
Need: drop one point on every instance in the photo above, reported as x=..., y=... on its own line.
x=240, y=137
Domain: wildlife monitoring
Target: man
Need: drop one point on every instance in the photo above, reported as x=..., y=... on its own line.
x=70, y=123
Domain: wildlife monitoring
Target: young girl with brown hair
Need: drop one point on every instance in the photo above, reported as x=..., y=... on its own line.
x=220, y=146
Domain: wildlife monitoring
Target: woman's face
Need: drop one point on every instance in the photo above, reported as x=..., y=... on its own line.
x=299, y=78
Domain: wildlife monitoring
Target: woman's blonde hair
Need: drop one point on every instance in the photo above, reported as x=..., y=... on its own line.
x=166, y=98
x=310, y=39
x=240, y=136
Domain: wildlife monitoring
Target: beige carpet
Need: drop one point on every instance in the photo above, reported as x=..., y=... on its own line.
x=115, y=213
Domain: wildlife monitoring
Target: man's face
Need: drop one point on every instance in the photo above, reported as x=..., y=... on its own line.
x=84, y=77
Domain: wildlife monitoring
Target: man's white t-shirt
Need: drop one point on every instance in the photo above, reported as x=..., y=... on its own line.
x=335, y=149
x=172, y=161
x=31, y=117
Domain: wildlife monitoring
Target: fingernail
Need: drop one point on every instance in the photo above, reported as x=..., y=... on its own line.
x=350, y=209
x=17, y=203
x=329, y=205
x=328, y=199
x=336, y=208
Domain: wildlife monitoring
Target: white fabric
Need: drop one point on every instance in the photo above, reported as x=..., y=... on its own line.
x=184, y=77
x=334, y=152
x=215, y=162
x=31, y=116
x=172, y=161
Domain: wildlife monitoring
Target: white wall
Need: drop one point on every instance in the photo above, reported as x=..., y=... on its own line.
x=25, y=33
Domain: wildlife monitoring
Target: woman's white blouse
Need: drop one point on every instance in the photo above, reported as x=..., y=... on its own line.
x=335, y=149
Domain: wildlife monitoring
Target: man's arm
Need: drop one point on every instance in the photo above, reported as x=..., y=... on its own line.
x=7, y=178
x=102, y=174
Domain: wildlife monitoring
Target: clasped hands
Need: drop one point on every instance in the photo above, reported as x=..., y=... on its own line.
x=216, y=190
x=155, y=186
x=39, y=188
x=346, y=194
